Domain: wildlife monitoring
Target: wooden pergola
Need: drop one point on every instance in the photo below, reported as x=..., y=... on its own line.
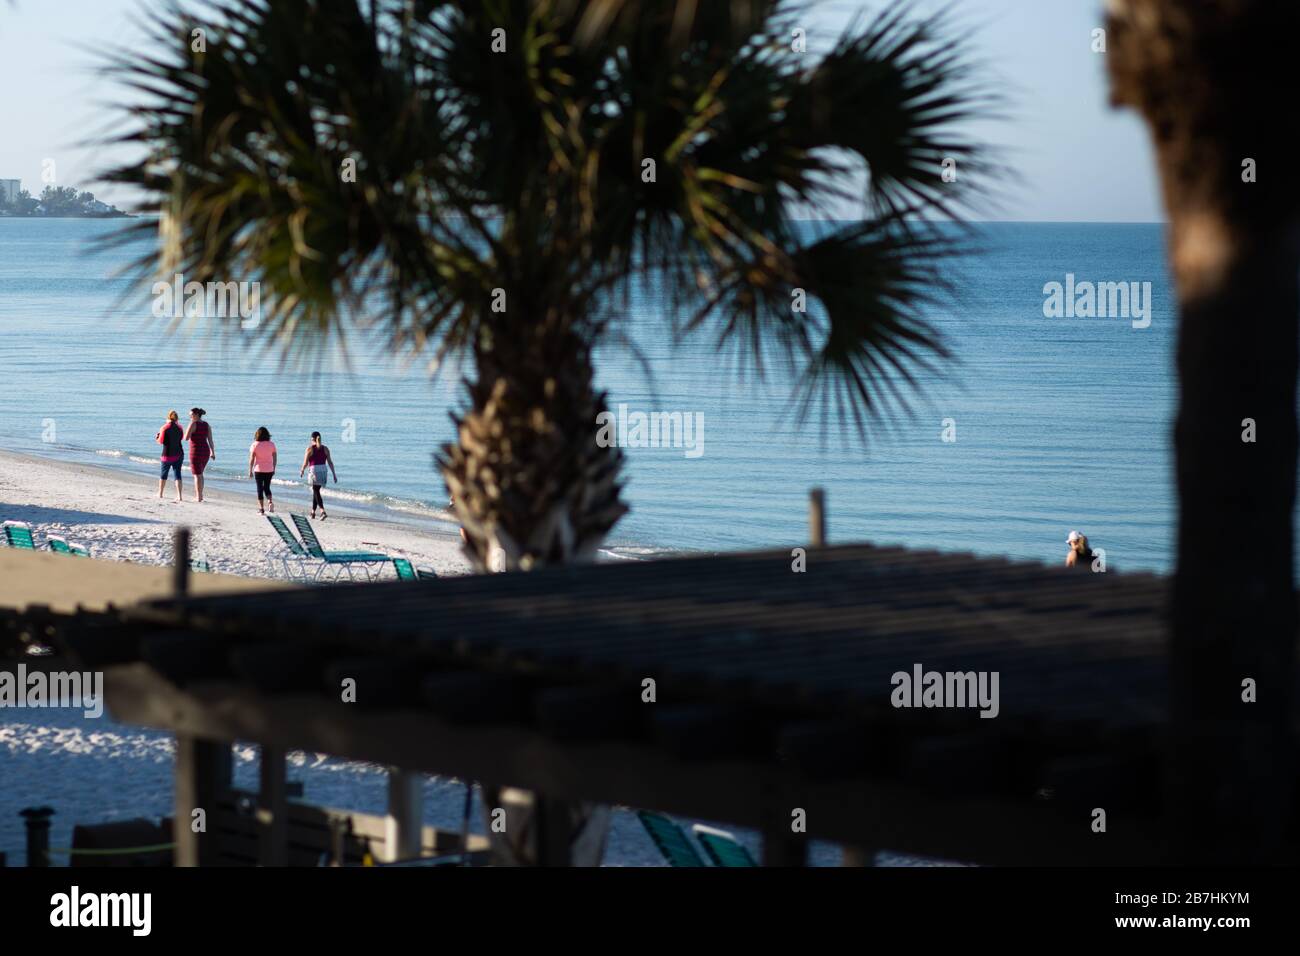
x=771, y=694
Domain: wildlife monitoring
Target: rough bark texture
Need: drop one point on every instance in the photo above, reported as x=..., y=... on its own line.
x=531, y=486
x=1205, y=75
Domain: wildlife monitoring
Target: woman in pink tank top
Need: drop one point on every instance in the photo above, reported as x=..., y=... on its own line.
x=262, y=459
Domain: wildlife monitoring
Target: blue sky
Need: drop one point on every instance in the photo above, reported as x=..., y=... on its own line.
x=1073, y=157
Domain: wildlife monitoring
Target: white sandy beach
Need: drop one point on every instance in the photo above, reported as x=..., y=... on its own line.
x=119, y=517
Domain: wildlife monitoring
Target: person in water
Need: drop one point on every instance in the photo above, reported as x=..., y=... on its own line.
x=262, y=459
x=321, y=463
x=169, y=436
x=202, y=448
x=1079, y=555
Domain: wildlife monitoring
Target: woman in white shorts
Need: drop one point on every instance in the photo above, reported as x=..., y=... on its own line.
x=318, y=459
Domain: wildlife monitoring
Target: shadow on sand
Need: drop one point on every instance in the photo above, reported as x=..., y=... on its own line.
x=37, y=516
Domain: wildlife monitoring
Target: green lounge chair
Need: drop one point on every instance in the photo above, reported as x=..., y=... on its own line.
x=61, y=546
x=675, y=845
x=18, y=534
x=722, y=847
x=406, y=571
x=293, y=554
x=341, y=559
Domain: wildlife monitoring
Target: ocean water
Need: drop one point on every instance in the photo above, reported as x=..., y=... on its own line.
x=1059, y=423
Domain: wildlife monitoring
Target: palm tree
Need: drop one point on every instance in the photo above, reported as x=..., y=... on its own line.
x=520, y=166
x=1202, y=74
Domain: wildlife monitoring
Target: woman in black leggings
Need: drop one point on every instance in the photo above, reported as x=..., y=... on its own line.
x=318, y=459
x=262, y=459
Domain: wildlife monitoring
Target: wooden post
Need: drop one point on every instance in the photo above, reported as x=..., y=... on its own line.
x=273, y=810
x=405, y=820
x=782, y=846
x=181, y=567
x=464, y=823
x=37, y=821
x=339, y=827
x=817, y=518
x=203, y=771
x=554, y=831
x=857, y=856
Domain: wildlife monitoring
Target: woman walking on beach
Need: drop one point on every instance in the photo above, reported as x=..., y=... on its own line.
x=318, y=458
x=202, y=447
x=169, y=436
x=262, y=458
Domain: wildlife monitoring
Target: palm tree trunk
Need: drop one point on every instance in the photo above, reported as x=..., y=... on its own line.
x=1197, y=71
x=531, y=486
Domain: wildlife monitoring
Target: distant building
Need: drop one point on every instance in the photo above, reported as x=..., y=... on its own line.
x=9, y=189
x=97, y=207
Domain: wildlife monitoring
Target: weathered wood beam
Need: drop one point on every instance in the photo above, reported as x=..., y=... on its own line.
x=473, y=697
x=381, y=682
x=279, y=665
x=601, y=712
x=706, y=731
x=185, y=656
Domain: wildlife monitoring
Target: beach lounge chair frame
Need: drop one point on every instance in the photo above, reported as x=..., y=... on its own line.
x=19, y=534
x=345, y=560
x=722, y=848
x=292, y=556
x=407, y=571
x=61, y=545
x=670, y=839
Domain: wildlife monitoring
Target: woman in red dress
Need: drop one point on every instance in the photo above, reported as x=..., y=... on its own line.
x=202, y=447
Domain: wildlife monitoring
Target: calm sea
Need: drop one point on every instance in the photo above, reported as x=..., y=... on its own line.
x=1059, y=423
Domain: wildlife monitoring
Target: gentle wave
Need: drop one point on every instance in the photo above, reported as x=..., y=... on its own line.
x=113, y=453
